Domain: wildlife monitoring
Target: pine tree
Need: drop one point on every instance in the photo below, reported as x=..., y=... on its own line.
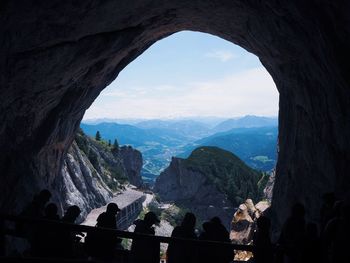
x=98, y=136
x=115, y=146
x=109, y=143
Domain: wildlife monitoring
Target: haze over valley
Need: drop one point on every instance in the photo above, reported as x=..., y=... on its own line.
x=251, y=138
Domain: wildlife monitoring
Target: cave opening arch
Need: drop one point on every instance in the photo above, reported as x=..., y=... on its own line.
x=53, y=70
x=162, y=82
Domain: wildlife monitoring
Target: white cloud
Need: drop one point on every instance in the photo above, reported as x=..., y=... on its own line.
x=249, y=92
x=222, y=55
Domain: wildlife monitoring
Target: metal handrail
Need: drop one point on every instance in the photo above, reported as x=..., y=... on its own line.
x=118, y=233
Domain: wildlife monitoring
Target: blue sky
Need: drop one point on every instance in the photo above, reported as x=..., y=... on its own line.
x=189, y=74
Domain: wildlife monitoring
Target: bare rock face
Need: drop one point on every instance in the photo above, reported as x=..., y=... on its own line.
x=244, y=221
x=192, y=190
x=92, y=172
x=82, y=184
x=132, y=160
x=56, y=57
x=268, y=190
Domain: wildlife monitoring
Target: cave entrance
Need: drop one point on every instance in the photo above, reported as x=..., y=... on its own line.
x=196, y=79
x=51, y=75
x=186, y=91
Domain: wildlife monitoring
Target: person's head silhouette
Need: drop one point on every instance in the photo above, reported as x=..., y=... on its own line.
x=72, y=214
x=44, y=196
x=51, y=210
x=216, y=220
x=151, y=219
x=263, y=223
x=189, y=221
x=208, y=227
x=112, y=209
x=298, y=210
x=311, y=230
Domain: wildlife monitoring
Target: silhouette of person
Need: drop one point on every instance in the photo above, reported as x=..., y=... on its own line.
x=263, y=249
x=47, y=234
x=183, y=252
x=50, y=212
x=145, y=250
x=293, y=234
x=35, y=209
x=226, y=254
x=336, y=236
x=72, y=213
x=2, y=238
x=312, y=251
x=206, y=253
x=67, y=239
x=327, y=209
x=104, y=245
x=214, y=230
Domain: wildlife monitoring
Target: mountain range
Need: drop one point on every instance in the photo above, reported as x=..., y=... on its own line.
x=257, y=147
x=160, y=140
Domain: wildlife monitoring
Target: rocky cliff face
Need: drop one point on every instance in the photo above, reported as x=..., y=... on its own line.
x=244, y=221
x=192, y=190
x=210, y=182
x=268, y=191
x=82, y=184
x=132, y=161
x=92, y=171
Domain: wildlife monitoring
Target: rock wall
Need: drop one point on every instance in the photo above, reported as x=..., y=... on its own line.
x=192, y=190
x=92, y=172
x=132, y=160
x=268, y=190
x=82, y=185
x=244, y=221
x=56, y=57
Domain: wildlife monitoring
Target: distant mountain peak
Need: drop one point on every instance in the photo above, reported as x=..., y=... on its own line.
x=247, y=121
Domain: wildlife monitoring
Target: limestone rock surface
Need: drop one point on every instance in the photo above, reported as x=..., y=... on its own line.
x=268, y=190
x=92, y=172
x=192, y=190
x=132, y=161
x=82, y=184
x=244, y=221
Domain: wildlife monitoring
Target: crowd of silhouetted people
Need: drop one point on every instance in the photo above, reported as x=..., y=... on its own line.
x=299, y=241
x=304, y=242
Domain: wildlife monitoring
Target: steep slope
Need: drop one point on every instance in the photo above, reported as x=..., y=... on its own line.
x=257, y=147
x=211, y=182
x=92, y=171
x=82, y=185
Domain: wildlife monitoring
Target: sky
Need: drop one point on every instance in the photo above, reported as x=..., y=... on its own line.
x=189, y=74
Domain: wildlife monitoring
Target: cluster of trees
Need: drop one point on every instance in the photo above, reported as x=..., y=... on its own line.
x=112, y=174
x=115, y=147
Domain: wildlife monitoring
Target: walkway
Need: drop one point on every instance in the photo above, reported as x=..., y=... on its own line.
x=129, y=201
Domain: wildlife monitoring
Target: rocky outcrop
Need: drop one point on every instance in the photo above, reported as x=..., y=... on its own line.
x=132, y=160
x=82, y=183
x=92, y=171
x=244, y=221
x=57, y=56
x=269, y=186
x=192, y=190
x=210, y=182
